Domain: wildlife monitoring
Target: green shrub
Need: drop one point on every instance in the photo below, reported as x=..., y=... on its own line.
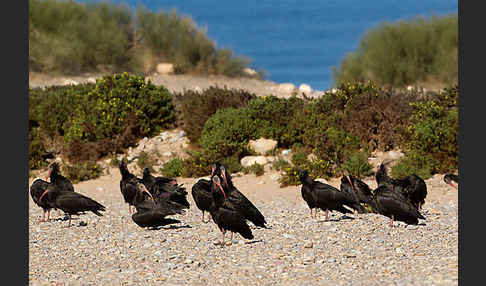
x=433, y=132
x=147, y=160
x=406, y=52
x=196, y=108
x=227, y=133
x=113, y=101
x=256, y=169
x=232, y=164
x=413, y=163
x=172, y=168
x=357, y=164
x=82, y=171
x=290, y=177
x=95, y=120
x=36, y=150
x=197, y=165
x=280, y=164
x=274, y=115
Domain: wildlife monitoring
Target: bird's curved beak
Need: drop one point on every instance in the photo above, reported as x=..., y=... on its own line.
x=144, y=189
x=221, y=188
x=452, y=185
x=45, y=192
x=48, y=174
x=349, y=180
x=224, y=179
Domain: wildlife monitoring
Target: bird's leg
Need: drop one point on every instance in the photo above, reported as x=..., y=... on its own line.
x=69, y=224
x=203, y=218
x=391, y=221
x=222, y=242
x=311, y=213
x=43, y=215
x=419, y=206
x=48, y=214
x=326, y=214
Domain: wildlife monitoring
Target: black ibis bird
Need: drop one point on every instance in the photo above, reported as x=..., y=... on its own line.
x=347, y=186
x=36, y=190
x=360, y=189
x=201, y=193
x=449, y=178
x=151, y=213
x=72, y=203
x=412, y=187
x=238, y=199
x=161, y=187
x=395, y=205
x=324, y=196
x=225, y=215
x=154, y=183
x=128, y=185
x=59, y=180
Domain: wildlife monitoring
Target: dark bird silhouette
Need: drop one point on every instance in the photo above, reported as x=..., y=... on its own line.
x=59, y=180
x=412, y=187
x=201, y=193
x=348, y=187
x=36, y=190
x=225, y=215
x=449, y=178
x=240, y=202
x=324, y=196
x=395, y=205
x=152, y=213
x=165, y=188
x=128, y=185
x=72, y=203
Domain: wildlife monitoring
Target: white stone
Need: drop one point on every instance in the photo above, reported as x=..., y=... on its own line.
x=305, y=88
x=285, y=152
x=164, y=135
x=262, y=145
x=250, y=160
x=167, y=154
x=249, y=71
x=165, y=68
x=68, y=81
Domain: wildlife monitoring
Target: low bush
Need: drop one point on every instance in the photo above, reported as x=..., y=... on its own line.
x=280, y=164
x=147, y=160
x=405, y=52
x=227, y=134
x=95, y=120
x=421, y=165
x=195, y=108
x=432, y=134
x=357, y=165
x=256, y=169
x=172, y=168
x=84, y=171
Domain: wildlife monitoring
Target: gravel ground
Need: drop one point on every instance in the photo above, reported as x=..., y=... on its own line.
x=295, y=250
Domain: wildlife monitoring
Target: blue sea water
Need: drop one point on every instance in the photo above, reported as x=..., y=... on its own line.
x=295, y=41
